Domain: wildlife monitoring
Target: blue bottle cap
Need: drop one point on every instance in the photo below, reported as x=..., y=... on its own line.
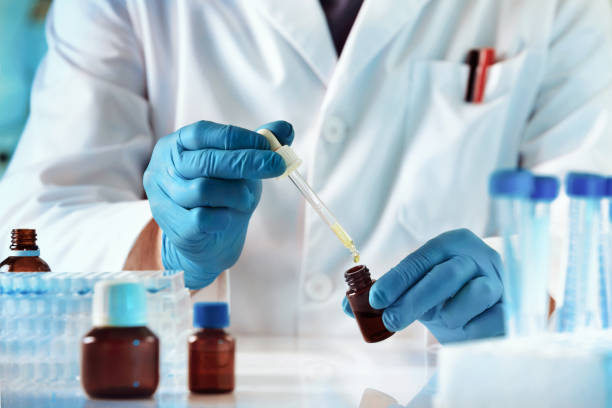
x=511, y=183
x=120, y=303
x=211, y=315
x=585, y=185
x=545, y=188
x=609, y=187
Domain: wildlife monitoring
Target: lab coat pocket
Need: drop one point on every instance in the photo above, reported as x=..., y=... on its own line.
x=442, y=87
x=454, y=145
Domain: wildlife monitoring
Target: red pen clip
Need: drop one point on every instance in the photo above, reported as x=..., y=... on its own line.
x=479, y=61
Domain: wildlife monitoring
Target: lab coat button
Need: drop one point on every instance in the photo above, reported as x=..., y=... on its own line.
x=334, y=129
x=319, y=287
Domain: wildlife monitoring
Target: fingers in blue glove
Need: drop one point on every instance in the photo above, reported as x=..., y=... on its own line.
x=411, y=269
x=347, y=307
x=208, y=149
x=230, y=164
x=474, y=298
x=182, y=224
x=210, y=135
x=490, y=323
x=209, y=192
x=281, y=129
x=441, y=283
x=195, y=277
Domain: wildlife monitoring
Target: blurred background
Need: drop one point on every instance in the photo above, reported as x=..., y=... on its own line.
x=22, y=46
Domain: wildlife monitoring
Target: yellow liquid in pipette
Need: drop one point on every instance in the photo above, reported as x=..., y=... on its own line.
x=346, y=240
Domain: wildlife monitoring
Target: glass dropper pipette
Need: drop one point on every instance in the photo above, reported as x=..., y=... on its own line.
x=293, y=161
x=316, y=203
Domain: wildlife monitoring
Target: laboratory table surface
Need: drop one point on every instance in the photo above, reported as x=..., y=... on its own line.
x=291, y=372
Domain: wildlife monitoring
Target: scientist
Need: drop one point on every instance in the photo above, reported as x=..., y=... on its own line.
x=140, y=152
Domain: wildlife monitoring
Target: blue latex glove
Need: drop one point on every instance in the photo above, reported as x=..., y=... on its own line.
x=203, y=183
x=451, y=284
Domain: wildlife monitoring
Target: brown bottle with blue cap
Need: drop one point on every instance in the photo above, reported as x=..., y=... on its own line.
x=211, y=350
x=25, y=254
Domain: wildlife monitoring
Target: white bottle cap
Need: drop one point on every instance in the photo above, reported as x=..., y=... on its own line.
x=292, y=161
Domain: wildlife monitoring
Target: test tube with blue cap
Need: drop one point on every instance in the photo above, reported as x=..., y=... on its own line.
x=534, y=314
x=609, y=197
x=608, y=210
x=510, y=190
x=585, y=297
x=607, y=251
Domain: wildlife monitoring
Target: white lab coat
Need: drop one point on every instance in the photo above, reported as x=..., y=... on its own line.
x=386, y=137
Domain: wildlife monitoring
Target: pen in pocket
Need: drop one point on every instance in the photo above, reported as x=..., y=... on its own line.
x=479, y=61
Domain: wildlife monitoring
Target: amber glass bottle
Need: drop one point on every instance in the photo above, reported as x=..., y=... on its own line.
x=369, y=319
x=24, y=256
x=120, y=355
x=211, y=350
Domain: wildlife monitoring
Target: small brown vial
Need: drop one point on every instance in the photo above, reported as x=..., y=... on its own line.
x=120, y=362
x=24, y=255
x=369, y=319
x=211, y=350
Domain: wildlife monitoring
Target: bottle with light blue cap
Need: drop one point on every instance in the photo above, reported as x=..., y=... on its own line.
x=534, y=313
x=584, y=296
x=120, y=355
x=510, y=190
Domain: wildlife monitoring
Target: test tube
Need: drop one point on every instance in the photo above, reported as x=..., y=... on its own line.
x=533, y=316
x=606, y=239
x=510, y=190
x=584, y=293
x=608, y=210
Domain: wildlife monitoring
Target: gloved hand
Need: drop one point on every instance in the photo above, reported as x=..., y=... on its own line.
x=203, y=183
x=451, y=284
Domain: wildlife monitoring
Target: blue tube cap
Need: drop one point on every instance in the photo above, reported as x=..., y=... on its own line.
x=609, y=187
x=511, y=183
x=211, y=315
x=119, y=303
x=585, y=185
x=545, y=188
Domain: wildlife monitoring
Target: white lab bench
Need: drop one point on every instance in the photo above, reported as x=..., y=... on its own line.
x=290, y=372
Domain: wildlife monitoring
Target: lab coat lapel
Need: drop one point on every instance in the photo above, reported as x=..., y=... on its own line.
x=376, y=25
x=302, y=23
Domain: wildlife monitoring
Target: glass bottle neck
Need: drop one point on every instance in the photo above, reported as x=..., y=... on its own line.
x=211, y=329
x=23, y=240
x=358, y=277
